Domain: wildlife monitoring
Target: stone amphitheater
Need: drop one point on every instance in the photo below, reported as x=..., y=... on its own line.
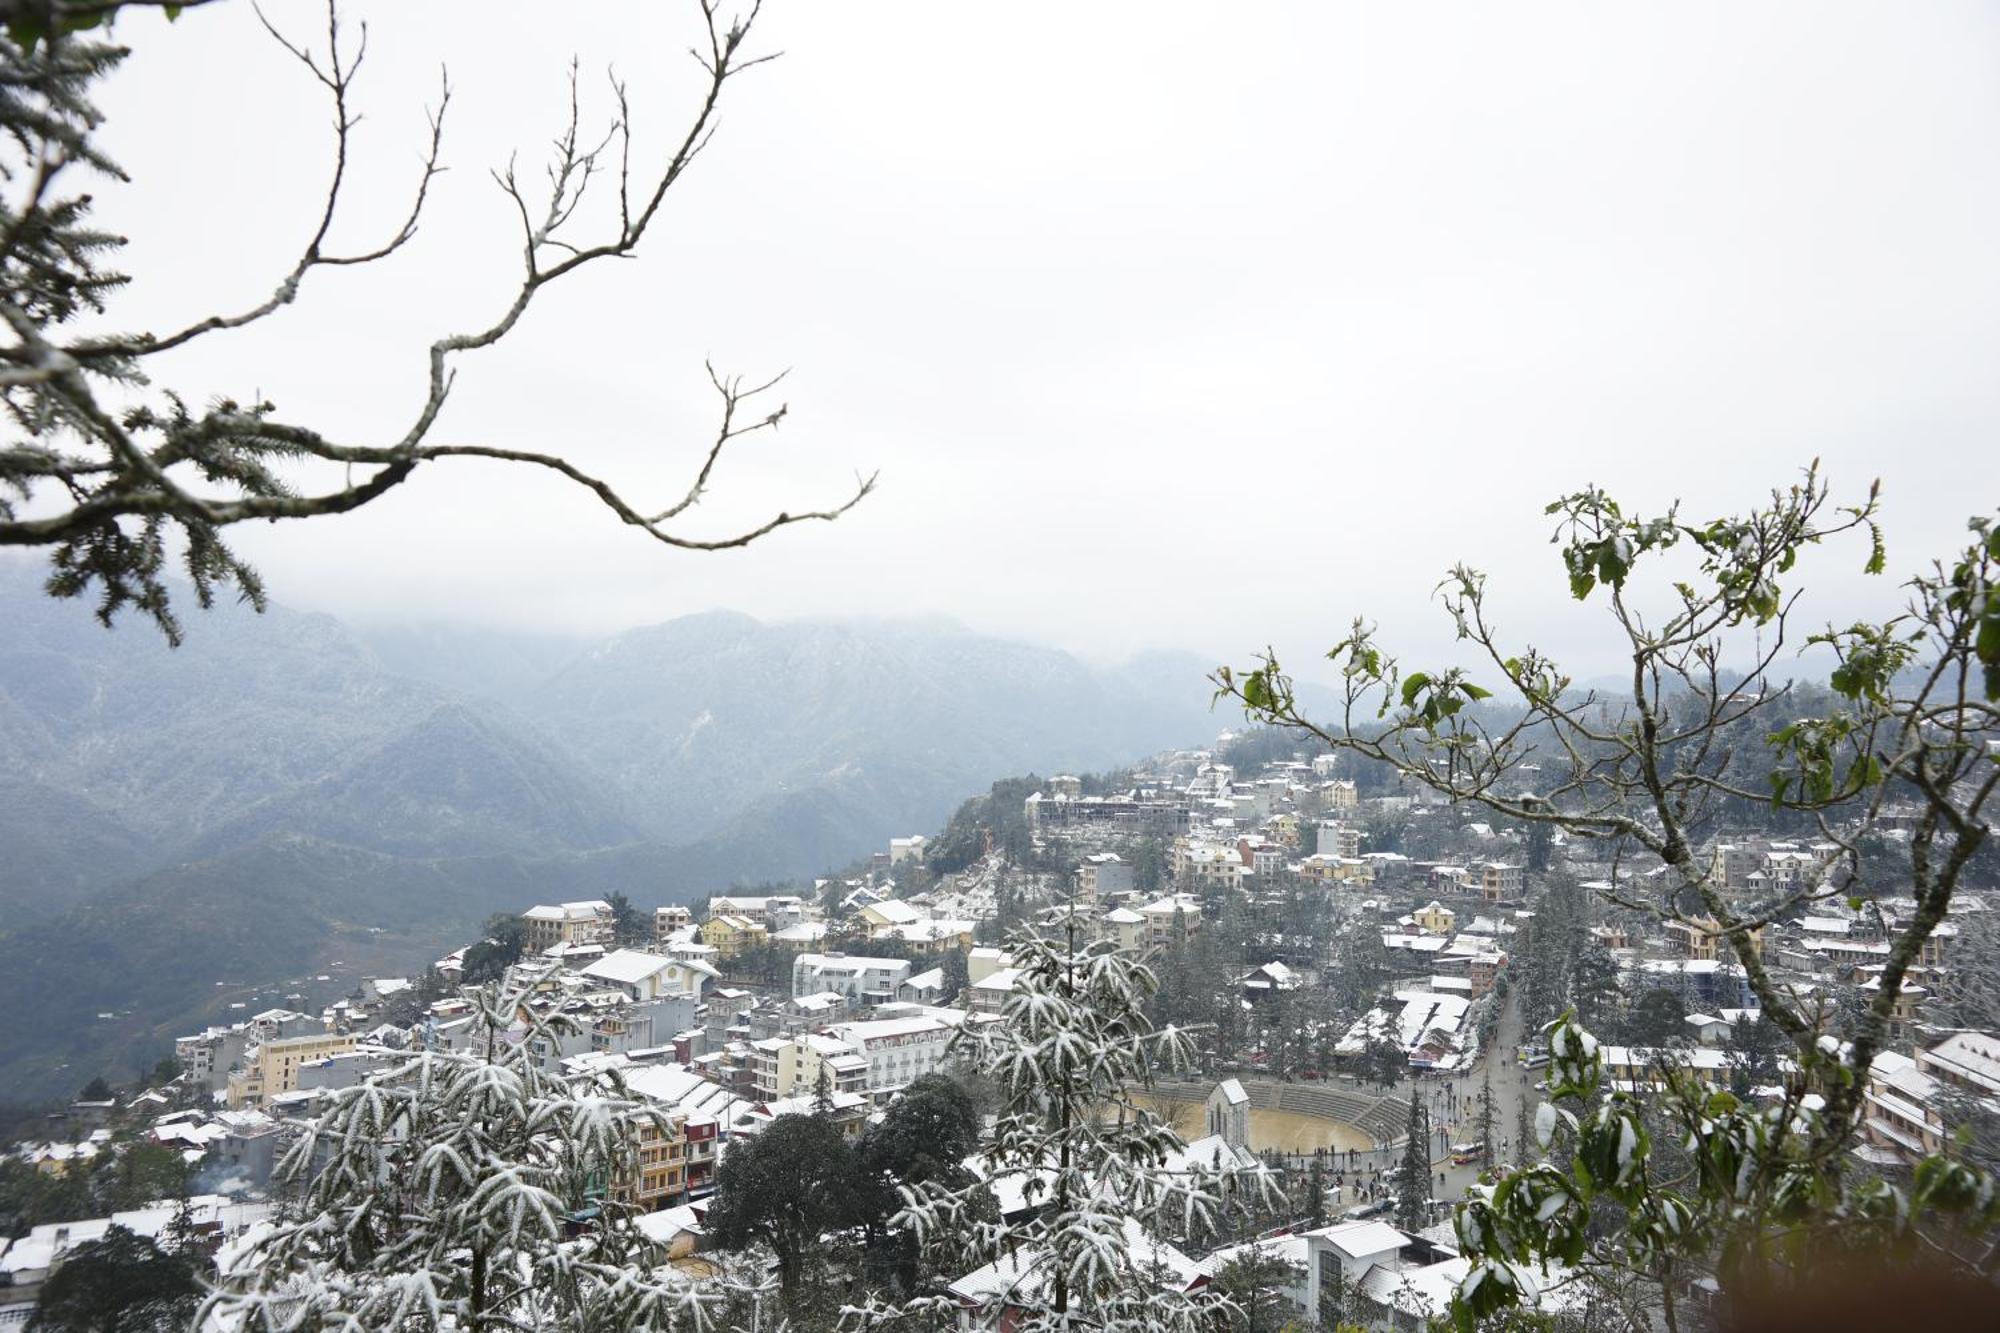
x=1380, y=1117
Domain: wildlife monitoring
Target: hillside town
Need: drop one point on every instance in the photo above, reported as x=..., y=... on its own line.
x=1354, y=959
x=688, y=668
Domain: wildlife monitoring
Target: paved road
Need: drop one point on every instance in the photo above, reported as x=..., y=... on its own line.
x=1454, y=1106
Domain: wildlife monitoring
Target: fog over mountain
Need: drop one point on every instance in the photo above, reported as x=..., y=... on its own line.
x=286, y=790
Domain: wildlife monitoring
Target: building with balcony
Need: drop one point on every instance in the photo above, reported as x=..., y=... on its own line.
x=729, y=934
x=896, y=1051
x=585, y=922
x=655, y=1174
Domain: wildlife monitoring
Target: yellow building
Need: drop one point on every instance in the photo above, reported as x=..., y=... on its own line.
x=276, y=1067
x=1325, y=868
x=1702, y=940
x=730, y=935
x=1435, y=918
x=879, y=919
x=655, y=1174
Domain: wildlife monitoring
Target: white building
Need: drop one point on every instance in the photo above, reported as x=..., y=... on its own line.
x=1104, y=874
x=859, y=980
x=588, y=921
x=990, y=994
x=648, y=976
x=774, y=912
x=899, y=1051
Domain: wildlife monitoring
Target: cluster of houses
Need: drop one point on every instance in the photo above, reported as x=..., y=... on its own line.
x=1293, y=820
x=1297, y=823
x=1936, y=1072
x=1357, y=1272
x=720, y=1061
x=880, y=983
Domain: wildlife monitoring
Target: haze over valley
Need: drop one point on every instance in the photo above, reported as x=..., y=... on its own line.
x=265, y=799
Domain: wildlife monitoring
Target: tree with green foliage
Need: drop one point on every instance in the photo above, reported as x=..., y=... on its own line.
x=1316, y=1194
x=463, y=1189
x=31, y=1197
x=1413, y=1172
x=1593, y=979
x=117, y=471
x=1360, y=967
x=957, y=976
x=119, y=1283
x=1149, y=864
x=785, y=1188
x=1754, y=1049
x=1541, y=840
x=1907, y=715
x=97, y=1090
x=502, y=945
x=767, y=964
x=1657, y=1018
x=1003, y=813
x=926, y=1136
x=1555, y=942
x=628, y=924
x=431, y=987
x=1385, y=830
x=1073, y=1046
x=141, y=1173
x=1484, y=1126
x=1524, y=1141
x=1753, y=1204
x=1383, y=1062
x=1193, y=980
x=1256, y=1283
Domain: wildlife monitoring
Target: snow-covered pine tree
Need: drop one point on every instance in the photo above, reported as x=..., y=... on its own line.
x=1105, y=1176
x=1413, y=1181
x=466, y=1190
x=1487, y=1128
x=823, y=1092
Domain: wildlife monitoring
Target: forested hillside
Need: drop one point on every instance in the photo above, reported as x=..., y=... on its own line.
x=285, y=790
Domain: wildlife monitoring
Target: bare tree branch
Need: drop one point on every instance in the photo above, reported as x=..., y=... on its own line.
x=127, y=466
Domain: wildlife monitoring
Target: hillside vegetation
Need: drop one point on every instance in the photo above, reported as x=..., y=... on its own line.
x=286, y=791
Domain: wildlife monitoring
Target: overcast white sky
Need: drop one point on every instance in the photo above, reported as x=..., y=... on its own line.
x=1182, y=326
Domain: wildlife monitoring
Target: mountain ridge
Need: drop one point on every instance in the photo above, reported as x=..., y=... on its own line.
x=242, y=804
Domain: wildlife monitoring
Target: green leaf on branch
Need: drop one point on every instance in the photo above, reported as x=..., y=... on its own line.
x=1256, y=691
x=1413, y=683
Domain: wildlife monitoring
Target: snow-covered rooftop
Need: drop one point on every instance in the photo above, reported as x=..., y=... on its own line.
x=629, y=967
